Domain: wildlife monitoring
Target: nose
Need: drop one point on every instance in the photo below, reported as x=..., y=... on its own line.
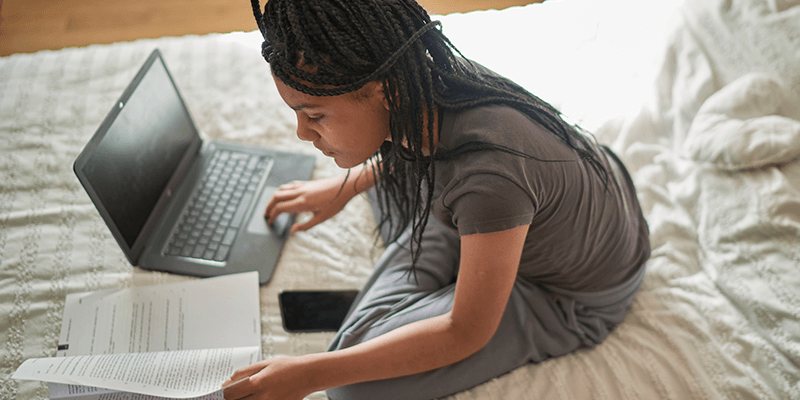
x=304, y=131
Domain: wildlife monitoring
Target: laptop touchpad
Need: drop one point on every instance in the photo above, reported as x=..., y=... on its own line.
x=258, y=224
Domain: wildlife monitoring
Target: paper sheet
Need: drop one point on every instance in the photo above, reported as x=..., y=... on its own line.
x=197, y=314
x=174, y=374
x=177, y=340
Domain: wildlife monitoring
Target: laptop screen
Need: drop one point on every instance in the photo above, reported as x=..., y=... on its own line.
x=139, y=153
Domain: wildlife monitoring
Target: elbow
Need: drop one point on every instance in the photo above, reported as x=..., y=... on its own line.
x=471, y=336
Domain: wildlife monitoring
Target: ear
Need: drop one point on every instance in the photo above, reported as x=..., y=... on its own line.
x=374, y=90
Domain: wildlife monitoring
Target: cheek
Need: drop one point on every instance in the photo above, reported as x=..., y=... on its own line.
x=358, y=132
x=379, y=125
x=375, y=133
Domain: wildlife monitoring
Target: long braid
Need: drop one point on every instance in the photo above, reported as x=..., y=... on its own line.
x=333, y=47
x=259, y=17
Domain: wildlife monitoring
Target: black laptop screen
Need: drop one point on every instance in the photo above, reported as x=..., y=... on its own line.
x=140, y=151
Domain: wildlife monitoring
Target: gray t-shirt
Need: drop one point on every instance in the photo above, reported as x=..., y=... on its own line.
x=582, y=237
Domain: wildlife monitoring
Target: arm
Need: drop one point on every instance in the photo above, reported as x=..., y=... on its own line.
x=486, y=277
x=323, y=198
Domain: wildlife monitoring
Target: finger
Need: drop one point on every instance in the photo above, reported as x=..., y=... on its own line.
x=227, y=385
x=294, y=206
x=238, y=390
x=300, y=227
x=282, y=204
x=245, y=372
x=293, y=185
x=315, y=220
x=279, y=197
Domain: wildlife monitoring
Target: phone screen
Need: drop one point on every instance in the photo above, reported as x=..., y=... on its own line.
x=315, y=310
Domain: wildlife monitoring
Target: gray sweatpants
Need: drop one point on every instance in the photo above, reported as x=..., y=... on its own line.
x=539, y=322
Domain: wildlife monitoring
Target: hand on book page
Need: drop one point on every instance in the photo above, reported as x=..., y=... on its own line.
x=277, y=378
x=172, y=374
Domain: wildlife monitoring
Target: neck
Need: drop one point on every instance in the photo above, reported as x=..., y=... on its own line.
x=426, y=134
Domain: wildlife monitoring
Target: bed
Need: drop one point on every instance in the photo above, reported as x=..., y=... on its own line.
x=701, y=100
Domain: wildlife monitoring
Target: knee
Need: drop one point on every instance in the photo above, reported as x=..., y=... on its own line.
x=412, y=387
x=355, y=392
x=338, y=393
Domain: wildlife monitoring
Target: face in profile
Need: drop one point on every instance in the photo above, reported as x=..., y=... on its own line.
x=348, y=128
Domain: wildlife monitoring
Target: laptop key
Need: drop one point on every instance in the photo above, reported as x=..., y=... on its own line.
x=198, y=251
x=187, y=251
x=222, y=253
x=253, y=162
x=239, y=216
x=229, y=236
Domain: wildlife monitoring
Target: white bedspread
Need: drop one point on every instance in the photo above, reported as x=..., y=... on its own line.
x=701, y=100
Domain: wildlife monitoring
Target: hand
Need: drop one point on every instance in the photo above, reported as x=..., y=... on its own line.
x=277, y=378
x=323, y=199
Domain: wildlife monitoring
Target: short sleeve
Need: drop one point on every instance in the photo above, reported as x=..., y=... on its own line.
x=484, y=203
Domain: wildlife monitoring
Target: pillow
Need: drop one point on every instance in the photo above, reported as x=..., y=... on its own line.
x=740, y=126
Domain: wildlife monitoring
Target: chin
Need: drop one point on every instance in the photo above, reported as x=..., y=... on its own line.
x=340, y=162
x=344, y=164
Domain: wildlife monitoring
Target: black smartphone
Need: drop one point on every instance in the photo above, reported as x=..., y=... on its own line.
x=315, y=310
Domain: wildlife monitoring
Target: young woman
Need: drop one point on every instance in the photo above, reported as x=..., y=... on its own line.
x=537, y=244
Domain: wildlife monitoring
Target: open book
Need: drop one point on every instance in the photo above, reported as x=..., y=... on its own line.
x=179, y=340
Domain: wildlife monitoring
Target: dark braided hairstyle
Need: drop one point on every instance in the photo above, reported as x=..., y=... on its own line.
x=333, y=47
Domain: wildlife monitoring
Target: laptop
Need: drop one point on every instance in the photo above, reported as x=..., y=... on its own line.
x=179, y=204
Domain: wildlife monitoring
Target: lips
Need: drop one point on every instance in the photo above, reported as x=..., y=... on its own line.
x=324, y=151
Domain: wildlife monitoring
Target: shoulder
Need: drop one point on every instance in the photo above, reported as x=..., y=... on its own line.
x=487, y=190
x=501, y=125
x=490, y=123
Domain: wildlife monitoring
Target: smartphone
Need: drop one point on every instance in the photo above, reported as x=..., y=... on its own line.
x=315, y=310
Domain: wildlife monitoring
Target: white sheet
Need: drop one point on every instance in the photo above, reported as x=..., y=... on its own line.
x=686, y=94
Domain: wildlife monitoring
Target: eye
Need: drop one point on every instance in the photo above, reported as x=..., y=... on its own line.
x=315, y=118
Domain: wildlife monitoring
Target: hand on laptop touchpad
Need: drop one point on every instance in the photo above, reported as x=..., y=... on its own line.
x=282, y=224
x=258, y=224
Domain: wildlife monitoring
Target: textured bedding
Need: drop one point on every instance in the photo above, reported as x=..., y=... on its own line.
x=701, y=101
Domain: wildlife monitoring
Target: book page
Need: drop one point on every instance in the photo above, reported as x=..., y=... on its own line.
x=115, y=395
x=197, y=314
x=210, y=313
x=173, y=374
x=61, y=391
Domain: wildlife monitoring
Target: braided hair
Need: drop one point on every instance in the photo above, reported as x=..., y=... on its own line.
x=333, y=47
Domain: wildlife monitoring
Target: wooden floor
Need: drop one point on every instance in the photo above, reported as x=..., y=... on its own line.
x=32, y=25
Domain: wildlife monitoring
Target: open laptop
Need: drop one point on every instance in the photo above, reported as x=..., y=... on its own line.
x=174, y=202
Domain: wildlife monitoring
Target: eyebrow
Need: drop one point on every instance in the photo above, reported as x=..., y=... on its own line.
x=303, y=106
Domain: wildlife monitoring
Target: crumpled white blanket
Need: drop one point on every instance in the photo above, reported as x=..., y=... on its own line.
x=741, y=126
x=714, y=157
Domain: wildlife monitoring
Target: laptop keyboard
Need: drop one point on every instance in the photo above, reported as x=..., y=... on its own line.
x=210, y=220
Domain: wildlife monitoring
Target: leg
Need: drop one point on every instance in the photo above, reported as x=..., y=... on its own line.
x=532, y=329
x=393, y=291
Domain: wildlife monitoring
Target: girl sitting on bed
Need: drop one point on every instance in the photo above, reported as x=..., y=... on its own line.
x=537, y=244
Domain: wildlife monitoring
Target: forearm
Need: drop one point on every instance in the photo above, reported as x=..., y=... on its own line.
x=418, y=347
